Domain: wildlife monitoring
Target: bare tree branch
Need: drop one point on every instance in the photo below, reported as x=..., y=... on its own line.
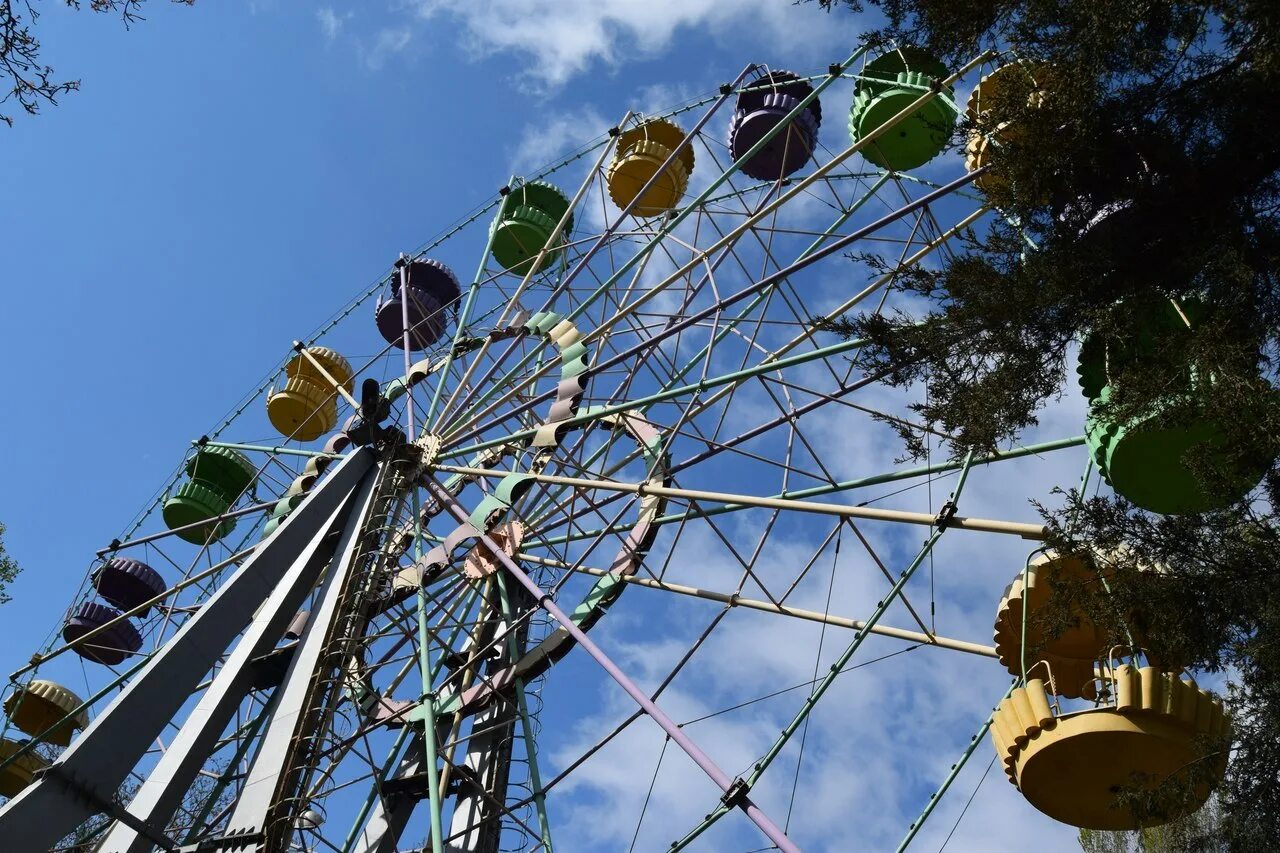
x=25, y=79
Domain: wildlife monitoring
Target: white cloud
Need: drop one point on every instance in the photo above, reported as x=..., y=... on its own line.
x=388, y=41
x=330, y=22
x=553, y=136
x=564, y=38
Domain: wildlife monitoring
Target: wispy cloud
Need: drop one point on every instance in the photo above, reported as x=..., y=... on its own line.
x=552, y=137
x=331, y=22
x=388, y=42
x=565, y=38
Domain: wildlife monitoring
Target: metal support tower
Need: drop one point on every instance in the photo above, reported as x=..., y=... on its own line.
x=256, y=604
x=482, y=785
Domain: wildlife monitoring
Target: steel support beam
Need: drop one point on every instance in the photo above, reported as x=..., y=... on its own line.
x=169, y=780
x=393, y=808
x=476, y=826
x=269, y=777
x=95, y=765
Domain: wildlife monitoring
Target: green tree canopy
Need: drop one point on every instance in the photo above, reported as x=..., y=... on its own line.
x=1197, y=831
x=8, y=568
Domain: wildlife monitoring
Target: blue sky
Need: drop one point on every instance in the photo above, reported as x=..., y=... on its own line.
x=233, y=173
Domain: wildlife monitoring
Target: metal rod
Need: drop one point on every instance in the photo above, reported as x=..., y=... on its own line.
x=735, y=600
x=741, y=797
x=283, y=451
x=1016, y=528
x=844, y=485
x=324, y=371
x=428, y=699
x=407, y=343
x=216, y=519
x=460, y=326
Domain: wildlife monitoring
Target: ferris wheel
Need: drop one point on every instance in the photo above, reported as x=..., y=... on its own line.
x=376, y=609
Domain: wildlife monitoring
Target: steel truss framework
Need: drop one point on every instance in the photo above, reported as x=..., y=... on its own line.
x=448, y=569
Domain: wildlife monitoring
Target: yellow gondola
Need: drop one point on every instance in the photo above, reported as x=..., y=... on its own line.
x=39, y=704
x=640, y=154
x=305, y=407
x=18, y=774
x=1072, y=766
x=1072, y=654
x=989, y=96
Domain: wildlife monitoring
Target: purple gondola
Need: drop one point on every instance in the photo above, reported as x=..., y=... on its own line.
x=109, y=647
x=128, y=583
x=430, y=288
x=761, y=105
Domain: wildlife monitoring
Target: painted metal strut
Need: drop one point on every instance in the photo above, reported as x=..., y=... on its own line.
x=736, y=791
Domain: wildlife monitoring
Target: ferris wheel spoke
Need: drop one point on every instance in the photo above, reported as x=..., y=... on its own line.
x=644, y=402
x=1021, y=529
x=564, y=219
x=604, y=330
x=464, y=318
x=878, y=414
x=767, y=281
x=890, y=477
x=560, y=287
x=624, y=311
x=849, y=304
x=763, y=297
